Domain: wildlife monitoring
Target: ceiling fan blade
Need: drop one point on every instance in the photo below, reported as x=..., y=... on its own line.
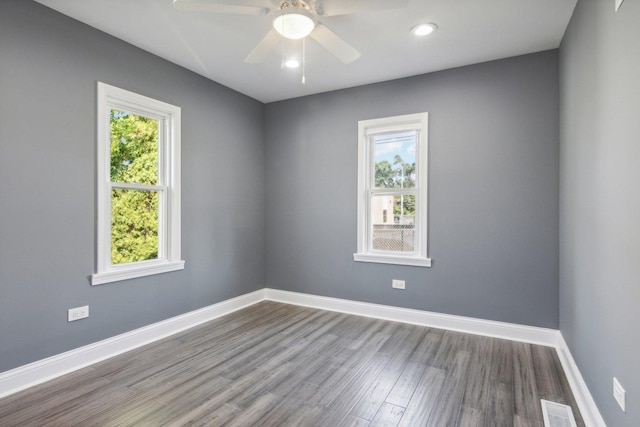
x=260, y=52
x=212, y=6
x=342, y=7
x=334, y=44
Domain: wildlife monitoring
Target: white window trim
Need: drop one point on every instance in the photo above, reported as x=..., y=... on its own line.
x=169, y=116
x=367, y=128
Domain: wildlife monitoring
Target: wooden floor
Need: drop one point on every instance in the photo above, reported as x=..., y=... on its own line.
x=274, y=364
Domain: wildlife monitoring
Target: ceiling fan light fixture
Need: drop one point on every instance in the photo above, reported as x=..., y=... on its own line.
x=294, y=23
x=421, y=30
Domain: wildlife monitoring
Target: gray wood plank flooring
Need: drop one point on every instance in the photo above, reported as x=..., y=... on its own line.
x=274, y=364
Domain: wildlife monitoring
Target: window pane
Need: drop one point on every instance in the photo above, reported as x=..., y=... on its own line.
x=134, y=225
x=394, y=155
x=134, y=148
x=393, y=219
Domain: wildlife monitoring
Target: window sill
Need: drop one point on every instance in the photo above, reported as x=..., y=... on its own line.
x=132, y=272
x=391, y=259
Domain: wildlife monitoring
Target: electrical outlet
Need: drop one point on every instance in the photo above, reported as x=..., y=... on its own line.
x=618, y=4
x=619, y=394
x=397, y=284
x=77, y=313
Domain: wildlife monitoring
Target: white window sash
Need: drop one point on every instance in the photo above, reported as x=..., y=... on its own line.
x=366, y=190
x=168, y=187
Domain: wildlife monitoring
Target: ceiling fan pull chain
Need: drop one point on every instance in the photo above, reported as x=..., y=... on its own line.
x=282, y=56
x=304, y=60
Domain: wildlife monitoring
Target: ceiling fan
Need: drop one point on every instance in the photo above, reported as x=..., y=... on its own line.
x=295, y=19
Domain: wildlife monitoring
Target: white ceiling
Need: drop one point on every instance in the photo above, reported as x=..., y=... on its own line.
x=215, y=45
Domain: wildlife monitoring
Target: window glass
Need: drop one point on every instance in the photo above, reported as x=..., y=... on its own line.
x=394, y=156
x=393, y=233
x=134, y=225
x=134, y=148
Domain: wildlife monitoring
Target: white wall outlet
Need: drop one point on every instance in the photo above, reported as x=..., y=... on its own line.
x=78, y=313
x=618, y=4
x=397, y=284
x=619, y=394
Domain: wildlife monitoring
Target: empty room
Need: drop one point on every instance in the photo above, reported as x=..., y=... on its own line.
x=320, y=213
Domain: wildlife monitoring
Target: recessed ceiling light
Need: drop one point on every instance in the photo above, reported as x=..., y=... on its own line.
x=292, y=63
x=424, y=29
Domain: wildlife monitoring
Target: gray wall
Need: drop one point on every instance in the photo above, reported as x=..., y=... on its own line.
x=600, y=201
x=49, y=66
x=493, y=182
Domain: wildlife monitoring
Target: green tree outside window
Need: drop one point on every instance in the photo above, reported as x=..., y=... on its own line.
x=134, y=212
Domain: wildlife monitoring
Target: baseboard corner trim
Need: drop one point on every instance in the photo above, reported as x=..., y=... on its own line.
x=588, y=408
x=40, y=371
x=491, y=328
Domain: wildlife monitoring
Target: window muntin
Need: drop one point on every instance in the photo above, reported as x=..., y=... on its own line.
x=392, y=186
x=138, y=186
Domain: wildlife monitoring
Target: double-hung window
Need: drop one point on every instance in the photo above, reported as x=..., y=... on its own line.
x=392, y=190
x=138, y=186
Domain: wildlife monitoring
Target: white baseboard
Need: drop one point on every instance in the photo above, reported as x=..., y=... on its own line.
x=46, y=369
x=588, y=407
x=43, y=370
x=470, y=325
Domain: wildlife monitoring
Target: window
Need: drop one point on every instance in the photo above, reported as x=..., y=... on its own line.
x=138, y=186
x=392, y=190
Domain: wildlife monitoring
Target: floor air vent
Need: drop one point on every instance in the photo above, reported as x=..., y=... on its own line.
x=557, y=415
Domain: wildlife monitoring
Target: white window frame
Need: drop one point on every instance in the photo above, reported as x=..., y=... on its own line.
x=366, y=129
x=168, y=188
